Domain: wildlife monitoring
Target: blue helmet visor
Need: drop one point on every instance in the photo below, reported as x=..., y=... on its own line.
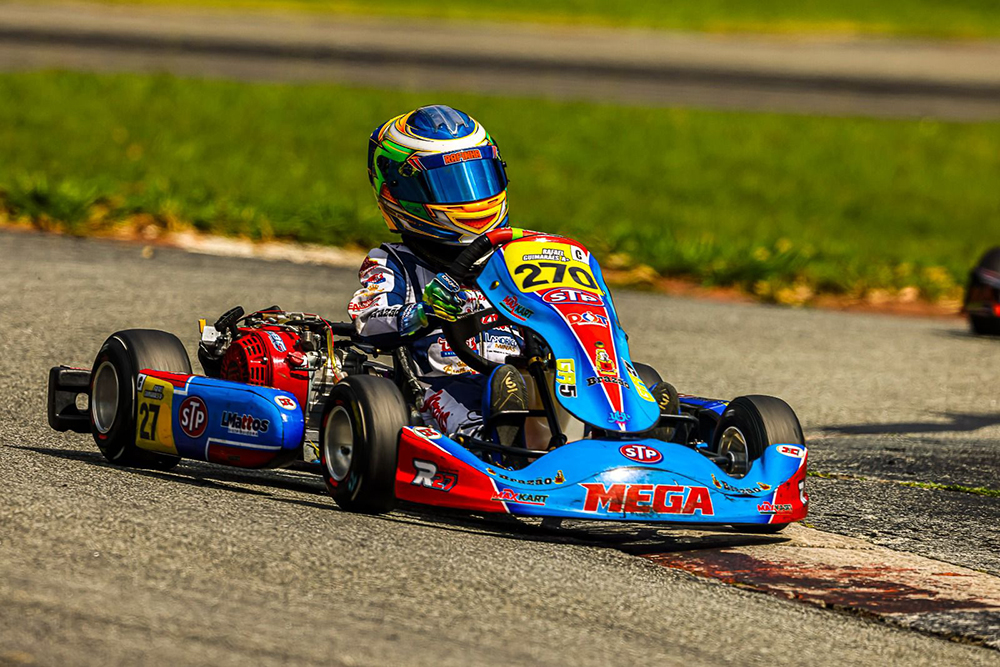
x=458, y=183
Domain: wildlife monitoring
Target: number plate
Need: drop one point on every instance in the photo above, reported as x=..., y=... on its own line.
x=537, y=266
x=153, y=429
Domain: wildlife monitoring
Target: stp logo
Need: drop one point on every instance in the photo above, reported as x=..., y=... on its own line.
x=640, y=453
x=566, y=295
x=193, y=417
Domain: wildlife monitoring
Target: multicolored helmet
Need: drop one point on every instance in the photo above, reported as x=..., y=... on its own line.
x=438, y=175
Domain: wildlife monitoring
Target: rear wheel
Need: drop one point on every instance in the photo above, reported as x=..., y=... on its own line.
x=749, y=425
x=112, y=392
x=359, y=442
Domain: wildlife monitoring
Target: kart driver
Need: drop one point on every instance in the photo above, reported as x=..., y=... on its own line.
x=439, y=183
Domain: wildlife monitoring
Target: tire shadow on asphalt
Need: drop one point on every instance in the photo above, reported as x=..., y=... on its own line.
x=197, y=473
x=957, y=422
x=632, y=538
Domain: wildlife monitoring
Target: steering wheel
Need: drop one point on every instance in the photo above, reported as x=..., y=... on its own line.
x=458, y=333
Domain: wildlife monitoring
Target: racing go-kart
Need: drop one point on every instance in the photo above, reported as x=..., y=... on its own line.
x=594, y=443
x=982, y=295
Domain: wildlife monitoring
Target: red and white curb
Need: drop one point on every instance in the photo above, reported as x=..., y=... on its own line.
x=846, y=573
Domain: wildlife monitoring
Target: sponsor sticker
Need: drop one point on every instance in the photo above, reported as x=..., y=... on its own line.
x=279, y=344
x=565, y=371
x=285, y=402
x=426, y=432
x=605, y=364
x=569, y=295
x=559, y=478
x=772, y=508
x=510, y=496
x=760, y=487
x=585, y=318
x=789, y=450
x=429, y=476
x=591, y=381
x=648, y=498
x=245, y=424
x=640, y=453
x=193, y=417
x=511, y=305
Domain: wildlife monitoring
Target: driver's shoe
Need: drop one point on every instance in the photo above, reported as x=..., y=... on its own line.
x=670, y=404
x=508, y=401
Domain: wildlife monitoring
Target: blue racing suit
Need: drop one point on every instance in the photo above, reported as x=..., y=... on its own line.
x=393, y=278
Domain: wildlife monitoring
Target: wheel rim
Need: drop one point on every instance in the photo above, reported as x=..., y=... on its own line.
x=104, y=397
x=733, y=444
x=338, y=443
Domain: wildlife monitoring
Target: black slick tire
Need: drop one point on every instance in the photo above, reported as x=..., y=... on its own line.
x=114, y=373
x=359, y=442
x=761, y=421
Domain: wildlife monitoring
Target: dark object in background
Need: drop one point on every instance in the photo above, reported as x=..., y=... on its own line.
x=982, y=298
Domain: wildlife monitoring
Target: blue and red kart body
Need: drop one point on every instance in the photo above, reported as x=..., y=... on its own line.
x=614, y=469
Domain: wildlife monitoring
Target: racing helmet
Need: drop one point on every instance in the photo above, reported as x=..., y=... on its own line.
x=438, y=177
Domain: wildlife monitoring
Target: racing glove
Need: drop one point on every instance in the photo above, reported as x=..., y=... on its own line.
x=443, y=299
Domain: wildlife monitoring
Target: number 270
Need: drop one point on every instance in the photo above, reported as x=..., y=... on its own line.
x=580, y=276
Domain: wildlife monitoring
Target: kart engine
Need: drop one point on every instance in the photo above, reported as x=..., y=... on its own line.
x=294, y=352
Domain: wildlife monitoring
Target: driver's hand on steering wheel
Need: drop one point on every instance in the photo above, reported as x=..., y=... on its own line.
x=445, y=297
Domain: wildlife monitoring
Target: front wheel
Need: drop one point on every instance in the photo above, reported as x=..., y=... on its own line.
x=112, y=392
x=359, y=442
x=751, y=424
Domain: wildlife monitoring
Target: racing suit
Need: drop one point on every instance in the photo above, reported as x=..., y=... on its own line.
x=392, y=279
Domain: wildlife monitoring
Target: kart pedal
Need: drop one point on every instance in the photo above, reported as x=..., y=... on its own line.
x=65, y=384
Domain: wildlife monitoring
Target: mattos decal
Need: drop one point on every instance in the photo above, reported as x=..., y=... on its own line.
x=789, y=450
x=244, y=424
x=648, y=498
x=427, y=432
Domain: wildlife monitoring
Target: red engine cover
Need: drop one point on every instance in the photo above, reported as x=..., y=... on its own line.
x=260, y=356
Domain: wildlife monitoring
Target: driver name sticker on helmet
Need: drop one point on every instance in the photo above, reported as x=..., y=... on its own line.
x=538, y=266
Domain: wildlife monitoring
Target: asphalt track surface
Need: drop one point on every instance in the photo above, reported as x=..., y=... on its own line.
x=845, y=76
x=102, y=565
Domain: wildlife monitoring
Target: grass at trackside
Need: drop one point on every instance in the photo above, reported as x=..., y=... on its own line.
x=785, y=206
x=958, y=18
